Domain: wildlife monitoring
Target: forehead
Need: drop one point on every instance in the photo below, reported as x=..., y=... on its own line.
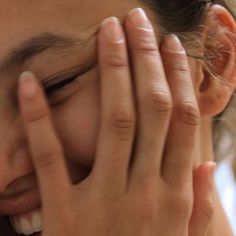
x=23, y=19
x=34, y=15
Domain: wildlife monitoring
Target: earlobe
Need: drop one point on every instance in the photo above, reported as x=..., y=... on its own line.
x=218, y=80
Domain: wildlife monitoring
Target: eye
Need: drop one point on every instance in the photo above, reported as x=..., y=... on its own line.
x=63, y=85
x=50, y=89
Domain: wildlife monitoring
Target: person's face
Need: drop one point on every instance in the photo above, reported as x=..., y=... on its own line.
x=58, y=39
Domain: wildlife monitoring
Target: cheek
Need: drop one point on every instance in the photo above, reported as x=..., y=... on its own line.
x=77, y=124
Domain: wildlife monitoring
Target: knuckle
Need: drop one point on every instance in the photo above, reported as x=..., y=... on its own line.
x=208, y=212
x=146, y=209
x=146, y=48
x=146, y=43
x=146, y=181
x=182, y=203
x=159, y=103
x=122, y=122
x=117, y=60
x=179, y=66
x=189, y=114
x=33, y=115
x=47, y=157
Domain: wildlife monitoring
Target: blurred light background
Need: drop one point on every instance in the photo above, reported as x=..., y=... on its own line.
x=226, y=186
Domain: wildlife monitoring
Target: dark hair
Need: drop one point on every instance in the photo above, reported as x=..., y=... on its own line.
x=179, y=15
x=183, y=17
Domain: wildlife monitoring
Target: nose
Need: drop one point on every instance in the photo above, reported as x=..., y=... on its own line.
x=15, y=160
x=13, y=166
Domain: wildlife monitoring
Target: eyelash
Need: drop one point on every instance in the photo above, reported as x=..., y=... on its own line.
x=71, y=77
x=57, y=86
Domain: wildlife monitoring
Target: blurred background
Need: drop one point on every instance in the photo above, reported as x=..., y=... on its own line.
x=225, y=180
x=224, y=139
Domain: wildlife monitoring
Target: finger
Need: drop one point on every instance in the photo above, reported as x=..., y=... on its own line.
x=45, y=148
x=153, y=97
x=180, y=143
x=203, y=187
x=116, y=134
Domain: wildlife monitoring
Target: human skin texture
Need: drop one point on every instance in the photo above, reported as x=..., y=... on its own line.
x=80, y=111
x=75, y=108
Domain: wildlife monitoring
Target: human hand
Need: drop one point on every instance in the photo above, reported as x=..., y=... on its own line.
x=202, y=211
x=203, y=185
x=141, y=182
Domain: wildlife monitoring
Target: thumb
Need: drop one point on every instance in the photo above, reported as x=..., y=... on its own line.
x=203, y=209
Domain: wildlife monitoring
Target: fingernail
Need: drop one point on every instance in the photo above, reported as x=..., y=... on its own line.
x=27, y=84
x=139, y=19
x=172, y=43
x=112, y=30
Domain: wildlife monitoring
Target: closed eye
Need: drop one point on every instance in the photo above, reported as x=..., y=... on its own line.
x=58, y=86
x=54, y=85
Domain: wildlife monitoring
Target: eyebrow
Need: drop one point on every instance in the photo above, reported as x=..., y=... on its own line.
x=34, y=46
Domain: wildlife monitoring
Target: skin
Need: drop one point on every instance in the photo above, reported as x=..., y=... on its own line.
x=85, y=120
x=79, y=107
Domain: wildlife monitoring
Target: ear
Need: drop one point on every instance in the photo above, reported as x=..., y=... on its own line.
x=218, y=80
